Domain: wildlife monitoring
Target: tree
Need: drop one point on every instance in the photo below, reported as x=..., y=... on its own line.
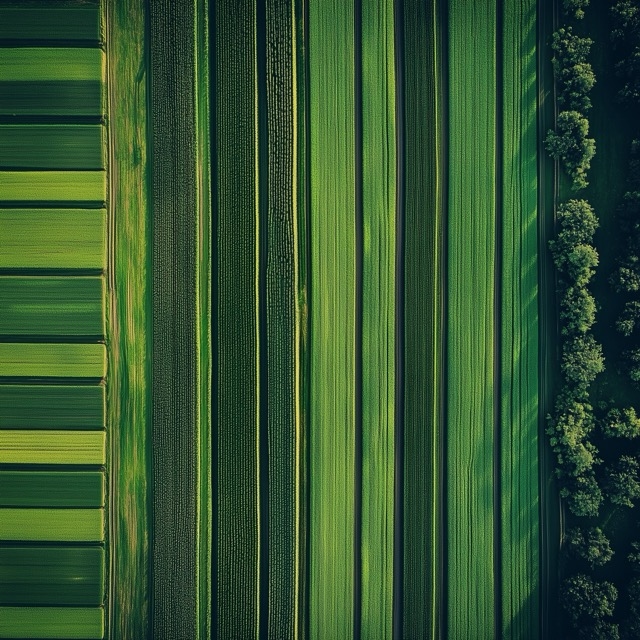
x=634, y=557
x=583, y=495
x=626, y=279
x=601, y=630
x=575, y=8
x=626, y=20
x=569, y=49
x=577, y=311
x=582, y=361
x=574, y=84
x=621, y=423
x=632, y=362
x=570, y=144
x=583, y=599
x=629, y=319
x=590, y=545
x=623, y=481
x=581, y=263
x=577, y=224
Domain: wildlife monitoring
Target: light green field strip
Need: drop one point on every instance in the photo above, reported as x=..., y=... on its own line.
x=46, y=21
x=129, y=321
x=52, y=407
x=238, y=487
x=53, y=186
x=283, y=325
x=52, y=306
x=520, y=573
x=333, y=311
x=424, y=167
x=52, y=81
x=41, y=146
x=378, y=316
x=52, y=360
x=52, y=525
x=471, y=254
x=65, y=623
x=53, y=238
x=52, y=447
x=52, y=576
x=52, y=489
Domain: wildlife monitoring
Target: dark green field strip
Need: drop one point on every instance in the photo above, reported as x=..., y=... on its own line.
x=51, y=81
x=53, y=186
x=332, y=438
x=52, y=576
x=52, y=407
x=52, y=306
x=52, y=525
x=282, y=325
x=43, y=623
x=52, y=360
x=520, y=509
x=53, y=238
x=378, y=316
x=424, y=168
x=238, y=506
x=52, y=489
x=470, y=590
x=20, y=20
x=58, y=146
x=52, y=447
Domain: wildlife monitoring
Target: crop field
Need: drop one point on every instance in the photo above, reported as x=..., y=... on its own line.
x=269, y=320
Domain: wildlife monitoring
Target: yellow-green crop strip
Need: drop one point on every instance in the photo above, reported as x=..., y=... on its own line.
x=470, y=322
x=52, y=525
x=520, y=567
x=52, y=447
x=63, y=623
x=21, y=359
x=333, y=318
x=378, y=315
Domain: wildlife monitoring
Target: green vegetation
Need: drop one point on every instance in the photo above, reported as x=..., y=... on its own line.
x=65, y=623
x=52, y=360
x=52, y=447
x=54, y=186
x=52, y=489
x=52, y=525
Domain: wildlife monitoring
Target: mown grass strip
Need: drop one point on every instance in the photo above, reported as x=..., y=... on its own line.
x=378, y=315
x=52, y=489
x=424, y=180
x=52, y=576
x=46, y=64
x=52, y=525
x=333, y=317
x=52, y=360
x=129, y=323
x=53, y=238
x=52, y=306
x=520, y=543
x=237, y=367
x=42, y=146
x=53, y=186
x=470, y=322
x=20, y=20
x=52, y=407
x=52, y=447
x=65, y=623
x=282, y=322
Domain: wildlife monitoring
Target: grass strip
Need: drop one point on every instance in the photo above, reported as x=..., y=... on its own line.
x=53, y=238
x=53, y=186
x=43, y=146
x=52, y=407
x=129, y=323
x=520, y=510
x=282, y=322
x=52, y=525
x=52, y=306
x=236, y=371
x=46, y=21
x=425, y=218
x=52, y=360
x=333, y=346
x=378, y=315
x=52, y=447
x=470, y=320
x=65, y=623
x=52, y=489
x=52, y=576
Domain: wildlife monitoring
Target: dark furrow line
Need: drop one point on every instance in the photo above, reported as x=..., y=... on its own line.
x=359, y=304
x=497, y=326
x=399, y=360
x=263, y=252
